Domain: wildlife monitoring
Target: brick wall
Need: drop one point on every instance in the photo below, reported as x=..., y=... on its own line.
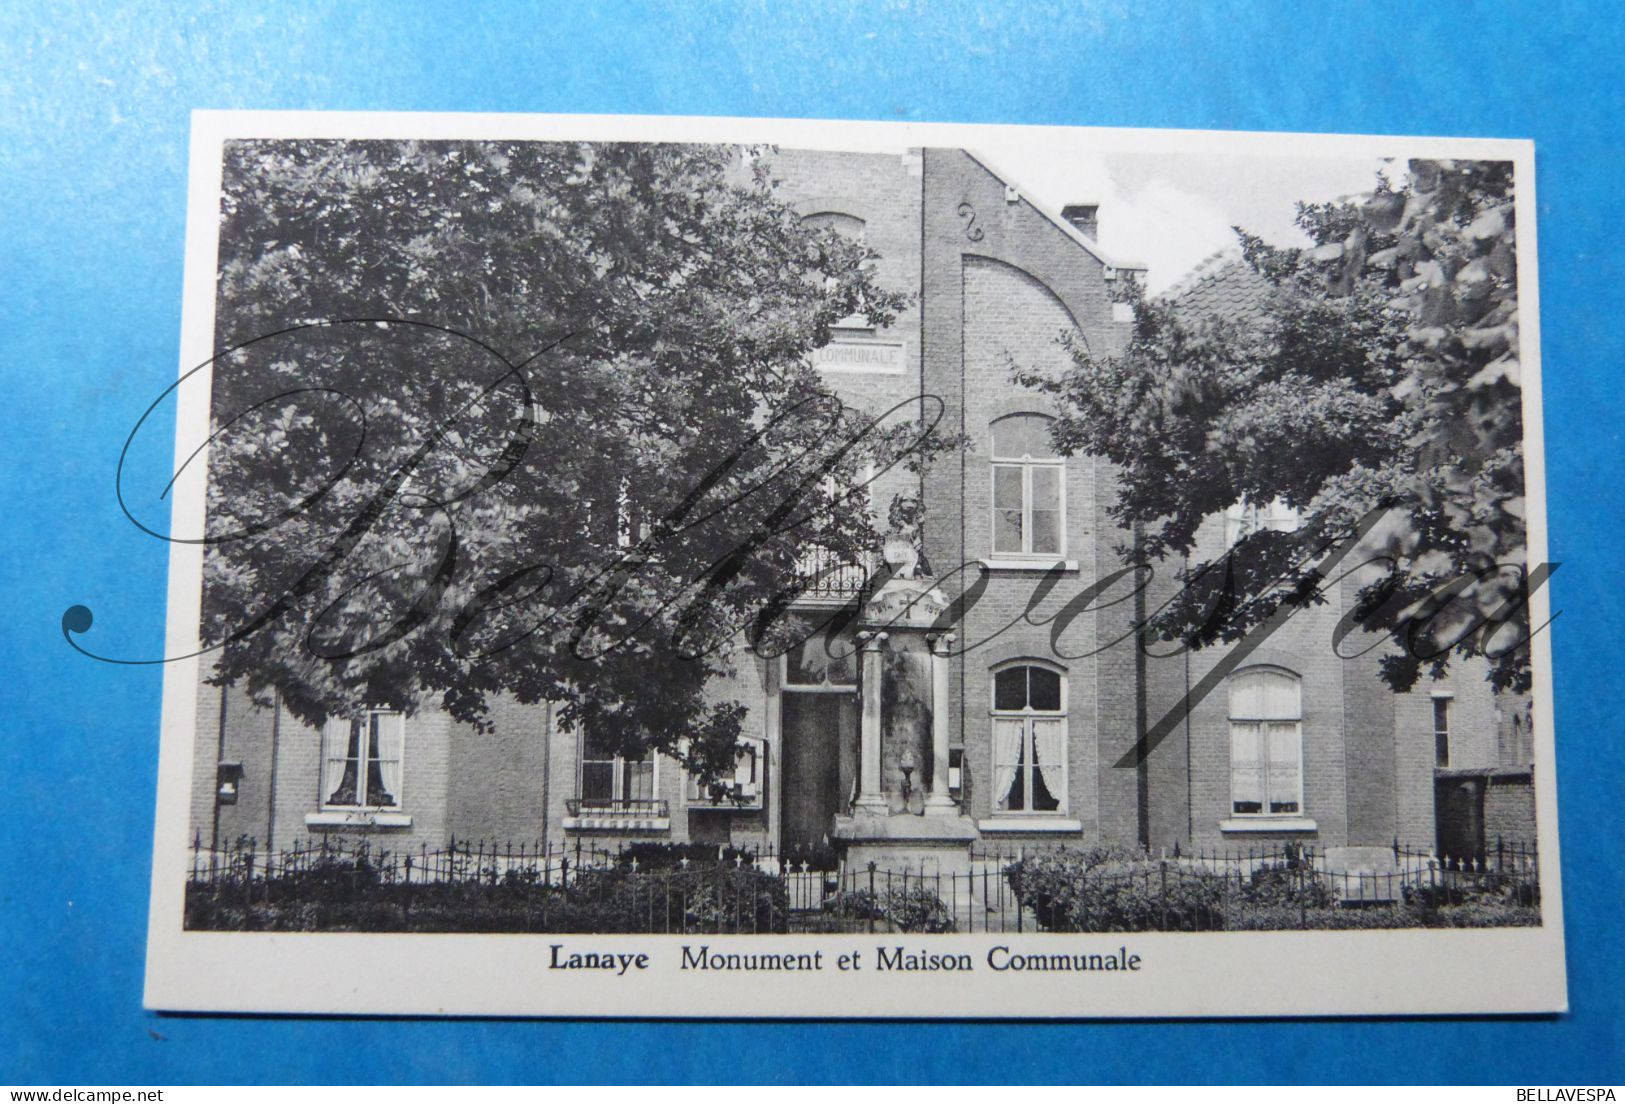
x=1509, y=809
x=1301, y=646
x=1001, y=281
x=883, y=191
x=244, y=735
x=495, y=784
x=281, y=784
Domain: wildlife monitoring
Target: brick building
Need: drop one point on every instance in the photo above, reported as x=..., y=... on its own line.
x=1045, y=691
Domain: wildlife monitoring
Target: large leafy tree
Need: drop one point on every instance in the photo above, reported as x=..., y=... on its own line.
x=1375, y=390
x=524, y=418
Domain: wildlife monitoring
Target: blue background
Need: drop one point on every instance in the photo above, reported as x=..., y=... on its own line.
x=94, y=103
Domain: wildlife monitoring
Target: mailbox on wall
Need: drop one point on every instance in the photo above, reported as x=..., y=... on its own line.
x=228, y=779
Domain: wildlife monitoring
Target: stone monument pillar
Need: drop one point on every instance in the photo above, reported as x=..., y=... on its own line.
x=903, y=675
x=939, y=802
x=871, y=798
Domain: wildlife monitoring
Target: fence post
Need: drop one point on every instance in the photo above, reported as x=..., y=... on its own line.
x=248, y=874
x=874, y=902
x=1021, y=918
x=1303, y=896
x=1163, y=891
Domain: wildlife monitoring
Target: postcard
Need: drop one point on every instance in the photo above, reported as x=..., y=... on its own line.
x=733, y=567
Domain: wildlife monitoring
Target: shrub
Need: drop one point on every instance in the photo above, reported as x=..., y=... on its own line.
x=1288, y=884
x=1455, y=888
x=1109, y=889
x=916, y=909
x=1483, y=913
x=855, y=904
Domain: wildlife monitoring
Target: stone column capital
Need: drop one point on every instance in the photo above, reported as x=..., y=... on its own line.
x=941, y=642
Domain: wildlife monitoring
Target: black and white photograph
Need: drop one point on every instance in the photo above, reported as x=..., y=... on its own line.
x=928, y=570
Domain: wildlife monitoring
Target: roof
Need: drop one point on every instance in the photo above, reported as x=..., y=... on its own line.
x=1222, y=284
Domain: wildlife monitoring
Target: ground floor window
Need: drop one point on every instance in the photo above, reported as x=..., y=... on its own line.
x=1266, y=743
x=609, y=779
x=743, y=789
x=362, y=761
x=1029, y=740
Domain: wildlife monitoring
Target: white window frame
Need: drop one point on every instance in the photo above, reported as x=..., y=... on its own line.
x=1027, y=715
x=1264, y=812
x=1027, y=463
x=336, y=733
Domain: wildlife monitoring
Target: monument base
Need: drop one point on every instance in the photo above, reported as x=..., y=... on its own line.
x=902, y=843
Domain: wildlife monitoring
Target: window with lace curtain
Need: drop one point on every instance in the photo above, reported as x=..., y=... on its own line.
x=1029, y=740
x=362, y=761
x=1266, y=743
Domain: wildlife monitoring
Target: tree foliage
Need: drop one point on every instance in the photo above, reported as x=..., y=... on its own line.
x=575, y=450
x=1380, y=373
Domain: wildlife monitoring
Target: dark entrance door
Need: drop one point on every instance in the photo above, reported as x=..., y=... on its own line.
x=1460, y=817
x=820, y=753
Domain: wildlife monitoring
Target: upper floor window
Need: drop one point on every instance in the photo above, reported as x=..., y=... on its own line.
x=854, y=228
x=1029, y=509
x=1441, y=730
x=1266, y=743
x=1029, y=740
x=361, y=762
x=1244, y=518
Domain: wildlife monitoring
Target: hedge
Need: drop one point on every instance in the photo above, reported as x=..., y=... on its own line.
x=347, y=896
x=1114, y=889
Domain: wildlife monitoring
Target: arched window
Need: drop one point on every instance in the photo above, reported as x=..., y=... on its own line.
x=1266, y=743
x=850, y=226
x=1029, y=508
x=1029, y=740
x=854, y=229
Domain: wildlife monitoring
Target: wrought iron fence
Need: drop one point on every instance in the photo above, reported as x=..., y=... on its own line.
x=480, y=885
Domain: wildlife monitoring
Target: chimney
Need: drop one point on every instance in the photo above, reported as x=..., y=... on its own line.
x=1084, y=216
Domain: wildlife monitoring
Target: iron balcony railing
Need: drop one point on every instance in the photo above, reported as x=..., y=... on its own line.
x=826, y=576
x=618, y=806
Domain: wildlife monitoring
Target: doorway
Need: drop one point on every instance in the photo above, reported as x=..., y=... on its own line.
x=820, y=732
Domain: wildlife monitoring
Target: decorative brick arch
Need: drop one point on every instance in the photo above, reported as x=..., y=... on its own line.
x=1034, y=283
x=845, y=205
x=1278, y=658
x=1002, y=653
